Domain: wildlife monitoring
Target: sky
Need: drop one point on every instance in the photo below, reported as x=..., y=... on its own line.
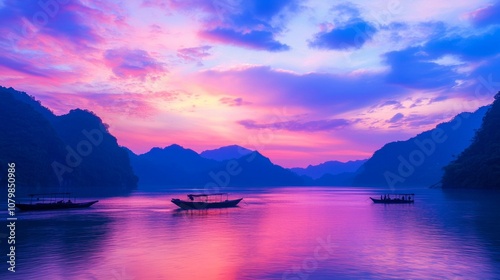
x=303, y=82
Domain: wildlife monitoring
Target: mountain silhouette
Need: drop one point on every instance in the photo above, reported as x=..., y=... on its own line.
x=342, y=179
x=175, y=166
x=170, y=166
x=419, y=161
x=70, y=153
x=253, y=170
x=226, y=153
x=478, y=166
x=329, y=167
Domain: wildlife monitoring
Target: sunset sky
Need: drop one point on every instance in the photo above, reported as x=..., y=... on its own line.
x=301, y=81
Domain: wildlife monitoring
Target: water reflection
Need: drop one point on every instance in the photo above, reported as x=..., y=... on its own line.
x=284, y=234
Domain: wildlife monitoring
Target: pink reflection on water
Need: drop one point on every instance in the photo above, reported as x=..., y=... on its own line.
x=286, y=233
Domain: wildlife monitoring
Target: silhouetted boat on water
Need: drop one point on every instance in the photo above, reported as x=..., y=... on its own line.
x=404, y=198
x=206, y=201
x=52, y=201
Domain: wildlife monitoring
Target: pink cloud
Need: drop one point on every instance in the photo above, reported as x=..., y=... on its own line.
x=126, y=63
x=485, y=16
x=125, y=104
x=313, y=92
x=233, y=101
x=195, y=54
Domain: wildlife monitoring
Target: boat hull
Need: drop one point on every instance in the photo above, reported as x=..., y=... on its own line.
x=391, y=201
x=192, y=205
x=53, y=206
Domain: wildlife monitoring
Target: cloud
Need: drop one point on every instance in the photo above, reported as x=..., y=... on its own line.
x=394, y=103
x=352, y=35
x=233, y=101
x=345, y=11
x=21, y=66
x=413, y=68
x=316, y=91
x=396, y=118
x=195, y=54
x=348, y=30
x=489, y=15
x=127, y=63
x=423, y=67
x=471, y=48
x=248, y=24
x=73, y=22
x=127, y=104
x=257, y=40
x=297, y=126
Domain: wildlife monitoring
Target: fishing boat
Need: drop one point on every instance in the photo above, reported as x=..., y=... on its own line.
x=404, y=198
x=52, y=201
x=206, y=201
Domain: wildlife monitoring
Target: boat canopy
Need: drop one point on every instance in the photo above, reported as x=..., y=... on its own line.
x=206, y=196
x=50, y=196
x=46, y=194
x=200, y=195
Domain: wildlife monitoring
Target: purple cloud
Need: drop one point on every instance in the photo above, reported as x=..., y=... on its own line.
x=396, y=118
x=471, y=48
x=416, y=67
x=310, y=126
x=22, y=67
x=413, y=68
x=348, y=30
x=66, y=20
x=394, y=103
x=195, y=54
x=486, y=16
x=258, y=40
x=318, y=91
x=233, y=101
x=127, y=63
x=249, y=24
x=352, y=35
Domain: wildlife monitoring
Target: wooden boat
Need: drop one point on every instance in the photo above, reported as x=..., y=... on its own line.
x=206, y=201
x=52, y=201
x=404, y=198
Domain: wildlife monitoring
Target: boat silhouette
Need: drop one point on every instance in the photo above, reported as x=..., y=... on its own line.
x=52, y=201
x=206, y=201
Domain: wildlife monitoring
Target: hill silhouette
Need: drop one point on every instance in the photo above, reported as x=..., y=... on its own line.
x=478, y=166
x=329, y=167
x=170, y=166
x=74, y=152
x=175, y=166
x=226, y=153
x=419, y=161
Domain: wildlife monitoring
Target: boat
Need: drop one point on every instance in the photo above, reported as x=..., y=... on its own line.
x=52, y=201
x=403, y=198
x=206, y=201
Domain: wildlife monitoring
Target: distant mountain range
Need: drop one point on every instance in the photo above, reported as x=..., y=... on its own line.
x=226, y=153
x=76, y=152
x=419, y=161
x=175, y=166
x=329, y=167
x=70, y=153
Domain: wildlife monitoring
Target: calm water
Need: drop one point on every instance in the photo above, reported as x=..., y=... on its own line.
x=289, y=233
